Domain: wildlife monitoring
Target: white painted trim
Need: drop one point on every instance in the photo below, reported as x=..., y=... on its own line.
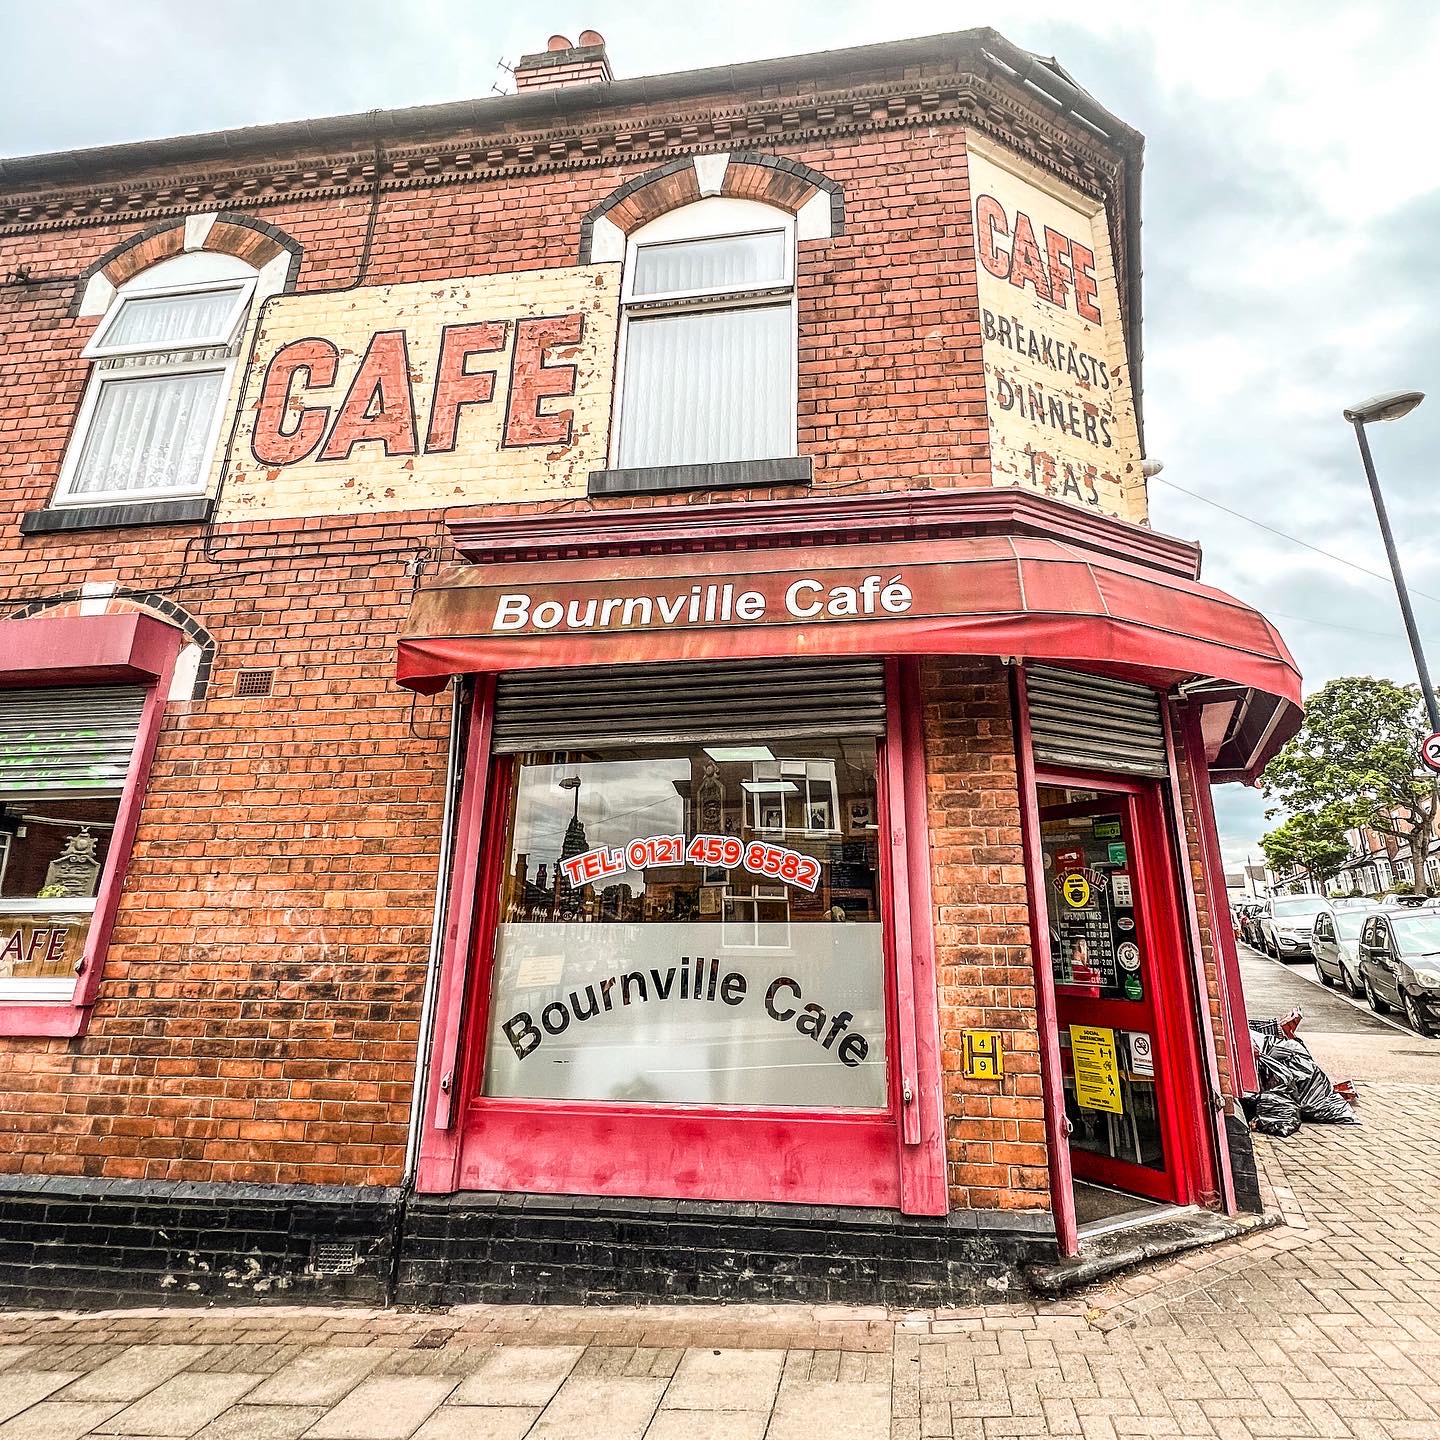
x=187, y=668
x=607, y=241
x=99, y=293
x=710, y=173
x=95, y=596
x=197, y=230
x=812, y=219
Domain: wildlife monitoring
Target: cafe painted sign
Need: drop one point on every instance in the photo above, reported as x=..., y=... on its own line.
x=42, y=947
x=439, y=392
x=1057, y=378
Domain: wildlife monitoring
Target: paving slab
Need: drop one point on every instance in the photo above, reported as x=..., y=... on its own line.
x=612, y=1407
x=259, y=1422
x=180, y=1406
x=322, y=1376
x=384, y=1407
x=11, y=1356
x=58, y=1420
x=726, y=1380
x=20, y=1389
x=480, y=1422
x=838, y=1410
x=136, y=1371
x=519, y=1375
x=710, y=1425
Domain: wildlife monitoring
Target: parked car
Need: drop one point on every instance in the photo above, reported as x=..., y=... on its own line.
x=1249, y=927
x=1400, y=964
x=1352, y=902
x=1336, y=945
x=1286, y=925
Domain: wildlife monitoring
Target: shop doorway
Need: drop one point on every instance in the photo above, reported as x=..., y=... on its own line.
x=1129, y=1057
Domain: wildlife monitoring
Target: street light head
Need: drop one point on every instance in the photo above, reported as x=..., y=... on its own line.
x=1390, y=406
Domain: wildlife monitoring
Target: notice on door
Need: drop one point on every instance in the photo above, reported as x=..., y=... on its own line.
x=1097, y=1071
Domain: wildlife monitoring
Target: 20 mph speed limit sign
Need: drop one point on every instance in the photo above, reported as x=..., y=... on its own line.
x=1430, y=750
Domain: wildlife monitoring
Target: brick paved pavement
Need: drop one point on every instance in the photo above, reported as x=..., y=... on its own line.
x=1326, y=1327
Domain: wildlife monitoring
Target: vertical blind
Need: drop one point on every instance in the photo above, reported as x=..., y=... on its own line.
x=148, y=433
x=707, y=386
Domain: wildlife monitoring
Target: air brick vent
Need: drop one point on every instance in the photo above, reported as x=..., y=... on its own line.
x=254, y=684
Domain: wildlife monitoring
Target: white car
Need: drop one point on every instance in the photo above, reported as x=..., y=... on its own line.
x=1286, y=927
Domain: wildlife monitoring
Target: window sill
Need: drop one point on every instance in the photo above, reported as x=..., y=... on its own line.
x=58, y=518
x=42, y=1018
x=723, y=475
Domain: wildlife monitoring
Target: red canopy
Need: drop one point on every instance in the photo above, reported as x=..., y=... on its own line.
x=1078, y=601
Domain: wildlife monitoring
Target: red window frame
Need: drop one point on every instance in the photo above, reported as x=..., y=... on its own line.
x=893, y=1158
x=98, y=650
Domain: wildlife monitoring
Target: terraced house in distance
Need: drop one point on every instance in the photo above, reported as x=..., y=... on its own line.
x=589, y=707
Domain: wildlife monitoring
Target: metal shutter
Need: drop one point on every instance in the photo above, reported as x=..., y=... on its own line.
x=1094, y=723
x=684, y=703
x=67, y=740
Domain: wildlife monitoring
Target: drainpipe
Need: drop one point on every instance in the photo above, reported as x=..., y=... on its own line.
x=430, y=993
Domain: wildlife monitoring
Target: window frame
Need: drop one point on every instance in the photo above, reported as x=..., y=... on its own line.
x=689, y=223
x=116, y=364
x=97, y=349
x=127, y=650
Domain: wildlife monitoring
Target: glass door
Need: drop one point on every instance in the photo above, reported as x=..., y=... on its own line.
x=1113, y=942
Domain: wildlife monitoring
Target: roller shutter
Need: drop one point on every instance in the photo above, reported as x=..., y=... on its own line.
x=67, y=740
x=1091, y=722
x=684, y=703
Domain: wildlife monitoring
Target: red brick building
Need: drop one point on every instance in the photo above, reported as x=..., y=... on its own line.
x=589, y=708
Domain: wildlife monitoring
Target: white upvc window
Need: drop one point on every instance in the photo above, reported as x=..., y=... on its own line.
x=708, y=337
x=164, y=354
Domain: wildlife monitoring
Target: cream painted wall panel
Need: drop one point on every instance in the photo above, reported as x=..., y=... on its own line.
x=495, y=456
x=1057, y=373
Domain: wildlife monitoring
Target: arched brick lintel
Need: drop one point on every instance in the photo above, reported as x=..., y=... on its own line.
x=748, y=175
x=229, y=232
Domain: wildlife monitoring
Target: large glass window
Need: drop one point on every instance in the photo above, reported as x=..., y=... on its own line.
x=164, y=354
x=693, y=924
x=708, y=356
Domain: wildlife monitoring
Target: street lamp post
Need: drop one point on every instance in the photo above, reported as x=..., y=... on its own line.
x=1392, y=407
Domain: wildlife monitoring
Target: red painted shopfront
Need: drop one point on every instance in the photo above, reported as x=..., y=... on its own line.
x=721, y=605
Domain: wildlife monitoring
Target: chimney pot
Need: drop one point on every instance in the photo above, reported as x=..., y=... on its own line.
x=563, y=63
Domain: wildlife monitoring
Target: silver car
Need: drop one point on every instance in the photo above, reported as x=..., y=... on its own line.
x=1335, y=943
x=1285, y=927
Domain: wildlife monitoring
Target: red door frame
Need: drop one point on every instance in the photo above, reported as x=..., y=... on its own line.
x=893, y=1158
x=1182, y=1111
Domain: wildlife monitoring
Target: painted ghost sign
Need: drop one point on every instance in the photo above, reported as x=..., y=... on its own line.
x=1057, y=380
x=442, y=392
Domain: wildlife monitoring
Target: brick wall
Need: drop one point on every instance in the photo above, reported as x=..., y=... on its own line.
x=257, y=1018
x=995, y=1131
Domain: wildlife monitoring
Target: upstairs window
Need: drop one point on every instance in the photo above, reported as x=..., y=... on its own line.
x=164, y=354
x=708, y=339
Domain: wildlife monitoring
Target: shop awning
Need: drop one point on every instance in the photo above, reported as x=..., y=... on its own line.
x=1003, y=589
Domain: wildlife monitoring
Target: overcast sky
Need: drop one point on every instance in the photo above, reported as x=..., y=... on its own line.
x=1291, y=240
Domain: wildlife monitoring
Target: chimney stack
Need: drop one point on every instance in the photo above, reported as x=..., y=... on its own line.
x=564, y=63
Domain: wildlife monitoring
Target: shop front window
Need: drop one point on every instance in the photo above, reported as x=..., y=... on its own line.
x=692, y=924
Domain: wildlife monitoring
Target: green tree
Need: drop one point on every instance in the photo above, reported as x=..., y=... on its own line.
x=1356, y=761
x=1315, y=843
